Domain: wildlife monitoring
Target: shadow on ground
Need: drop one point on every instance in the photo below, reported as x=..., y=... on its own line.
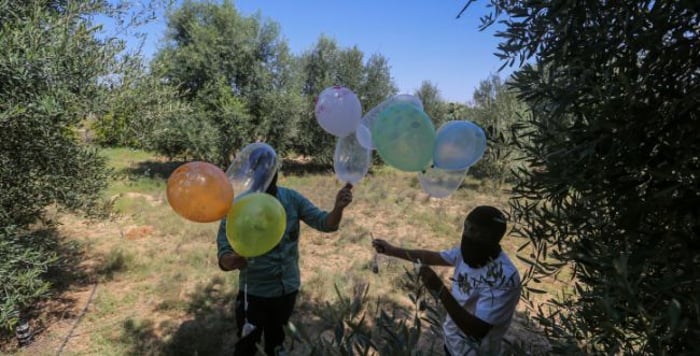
x=68, y=272
x=153, y=169
x=208, y=330
x=210, y=325
x=163, y=169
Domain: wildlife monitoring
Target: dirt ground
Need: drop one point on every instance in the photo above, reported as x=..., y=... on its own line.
x=66, y=323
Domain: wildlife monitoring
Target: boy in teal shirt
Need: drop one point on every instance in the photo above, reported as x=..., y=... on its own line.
x=270, y=282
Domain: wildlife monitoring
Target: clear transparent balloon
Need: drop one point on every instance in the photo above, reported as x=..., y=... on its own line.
x=253, y=168
x=441, y=183
x=351, y=160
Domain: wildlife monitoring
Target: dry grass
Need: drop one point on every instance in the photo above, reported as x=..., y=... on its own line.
x=150, y=282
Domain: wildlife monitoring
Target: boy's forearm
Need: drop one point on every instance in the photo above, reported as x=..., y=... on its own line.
x=423, y=256
x=465, y=321
x=406, y=254
x=334, y=217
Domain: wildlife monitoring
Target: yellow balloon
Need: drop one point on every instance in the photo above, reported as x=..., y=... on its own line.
x=255, y=224
x=200, y=192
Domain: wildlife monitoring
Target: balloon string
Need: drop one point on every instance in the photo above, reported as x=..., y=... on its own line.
x=375, y=262
x=245, y=297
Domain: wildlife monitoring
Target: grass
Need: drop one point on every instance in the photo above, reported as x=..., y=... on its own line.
x=158, y=289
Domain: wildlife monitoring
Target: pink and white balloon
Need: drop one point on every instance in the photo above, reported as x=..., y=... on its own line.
x=338, y=111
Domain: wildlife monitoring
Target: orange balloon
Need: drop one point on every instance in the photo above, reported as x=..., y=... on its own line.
x=200, y=191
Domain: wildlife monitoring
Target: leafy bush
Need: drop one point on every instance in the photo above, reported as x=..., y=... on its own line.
x=613, y=186
x=49, y=68
x=235, y=73
x=352, y=328
x=25, y=258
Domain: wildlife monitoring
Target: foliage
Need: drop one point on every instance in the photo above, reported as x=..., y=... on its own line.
x=25, y=259
x=136, y=104
x=356, y=330
x=236, y=73
x=50, y=66
x=326, y=65
x=498, y=110
x=613, y=183
x=377, y=84
x=433, y=104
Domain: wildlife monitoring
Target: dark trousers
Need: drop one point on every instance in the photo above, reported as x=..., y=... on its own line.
x=269, y=315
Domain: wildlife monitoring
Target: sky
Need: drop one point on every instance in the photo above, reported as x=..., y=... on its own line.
x=422, y=40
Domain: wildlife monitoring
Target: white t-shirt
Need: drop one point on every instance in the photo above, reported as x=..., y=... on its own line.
x=490, y=293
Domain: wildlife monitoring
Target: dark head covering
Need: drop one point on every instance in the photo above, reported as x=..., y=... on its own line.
x=261, y=161
x=477, y=253
x=490, y=218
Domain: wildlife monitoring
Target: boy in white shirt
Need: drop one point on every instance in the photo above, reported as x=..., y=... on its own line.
x=485, y=285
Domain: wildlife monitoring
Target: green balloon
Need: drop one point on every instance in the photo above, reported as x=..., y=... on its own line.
x=255, y=224
x=404, y=136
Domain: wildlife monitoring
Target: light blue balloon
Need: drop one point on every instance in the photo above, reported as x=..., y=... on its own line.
x=405, y=137
x=441, y=183
x=458, y=145
x=351, y=161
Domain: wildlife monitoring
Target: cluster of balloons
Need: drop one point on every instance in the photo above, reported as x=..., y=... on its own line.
x=404, y=137
x=202, y=192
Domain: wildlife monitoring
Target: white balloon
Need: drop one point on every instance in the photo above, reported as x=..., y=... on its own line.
x=440, y=183
x=351, y=161
x=338, y=111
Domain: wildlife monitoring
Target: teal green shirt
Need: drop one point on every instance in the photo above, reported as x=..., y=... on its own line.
x=276, y=273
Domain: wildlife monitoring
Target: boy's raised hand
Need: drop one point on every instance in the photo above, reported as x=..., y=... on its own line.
x=344, y=197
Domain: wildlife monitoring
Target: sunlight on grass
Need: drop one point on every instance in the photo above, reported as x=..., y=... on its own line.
x=121, y=158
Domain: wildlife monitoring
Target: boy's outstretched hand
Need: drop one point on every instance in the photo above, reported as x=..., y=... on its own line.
x=344, y=197
x=381, y=246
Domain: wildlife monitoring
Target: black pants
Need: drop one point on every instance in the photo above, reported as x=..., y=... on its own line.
x=269, y=315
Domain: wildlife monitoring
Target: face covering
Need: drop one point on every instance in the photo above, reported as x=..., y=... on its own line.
x=272, y=188
x=477, y=254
